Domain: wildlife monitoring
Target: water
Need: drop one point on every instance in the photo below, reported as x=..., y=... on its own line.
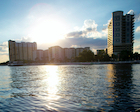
x=70, y=88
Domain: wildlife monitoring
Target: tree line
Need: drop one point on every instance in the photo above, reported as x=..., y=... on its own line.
x=89, y=56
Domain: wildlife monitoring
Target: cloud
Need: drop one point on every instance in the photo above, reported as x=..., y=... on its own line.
x=24, y=39
x=4, y=58
x=137, y=48
x=4, y=48
x=138, y=29
x=137, y=18
x=107, y=22
x=105, y=30
x=98, y=43
x=75, y=34
x=90, y=24
x=4, y=52
x=93, y=43
x=89, y=30
x=75, y=46
x=131, y=12
x=87, y=36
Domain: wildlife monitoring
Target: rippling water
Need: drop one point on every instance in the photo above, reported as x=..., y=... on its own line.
x=70, y=88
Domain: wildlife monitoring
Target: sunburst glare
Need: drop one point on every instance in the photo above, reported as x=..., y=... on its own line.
x=48, y=31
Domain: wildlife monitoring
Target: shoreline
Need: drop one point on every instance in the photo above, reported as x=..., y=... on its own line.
x=94, y=63
x=78, y=63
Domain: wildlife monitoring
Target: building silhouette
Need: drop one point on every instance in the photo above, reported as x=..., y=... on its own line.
x=120, y=33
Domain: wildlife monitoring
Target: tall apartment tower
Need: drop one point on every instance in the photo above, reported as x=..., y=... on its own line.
x=120, y=33
x=21, y=51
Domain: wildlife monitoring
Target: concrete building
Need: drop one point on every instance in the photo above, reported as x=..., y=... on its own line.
x=46, y=56
x=25, y=48
x=56, y=54
x=26, y=51
x=69, y=53
x=120, y=33
x=21, y=51
x=17, y=51
x=38, y=55
x=31, y=48
x=12, y=50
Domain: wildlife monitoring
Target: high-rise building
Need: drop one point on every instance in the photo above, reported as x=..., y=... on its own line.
x=120, y=33
x=21, y=51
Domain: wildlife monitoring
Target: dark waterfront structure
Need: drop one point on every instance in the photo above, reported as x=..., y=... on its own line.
x=120, y=33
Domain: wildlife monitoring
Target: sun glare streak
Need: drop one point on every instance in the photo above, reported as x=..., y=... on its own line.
x=52, y=81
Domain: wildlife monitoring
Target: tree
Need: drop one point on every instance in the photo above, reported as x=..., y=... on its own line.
x=85, y=56
x=102, y=56
x=114, y=57
x=106, y=57
x=136, y=56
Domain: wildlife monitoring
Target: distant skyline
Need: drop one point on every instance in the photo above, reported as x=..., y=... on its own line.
x=64, y=23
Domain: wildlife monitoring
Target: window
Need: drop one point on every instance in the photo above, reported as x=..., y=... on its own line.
x=117, y=18
x=117, y=29
x=117, y=35
x=117, y=23
x=127, y=40
x=117, y=40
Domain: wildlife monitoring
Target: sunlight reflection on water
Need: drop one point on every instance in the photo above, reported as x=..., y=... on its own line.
x=70, y=88
x=52, y=81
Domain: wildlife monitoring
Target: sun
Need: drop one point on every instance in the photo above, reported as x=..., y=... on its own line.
x=47, y=31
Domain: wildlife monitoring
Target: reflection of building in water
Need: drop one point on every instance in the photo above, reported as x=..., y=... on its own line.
x=120, y=79
x=110, y=74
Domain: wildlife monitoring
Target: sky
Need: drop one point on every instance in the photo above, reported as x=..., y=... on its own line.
x=66, y=23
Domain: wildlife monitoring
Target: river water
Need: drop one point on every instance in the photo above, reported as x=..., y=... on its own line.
x=70, y=88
